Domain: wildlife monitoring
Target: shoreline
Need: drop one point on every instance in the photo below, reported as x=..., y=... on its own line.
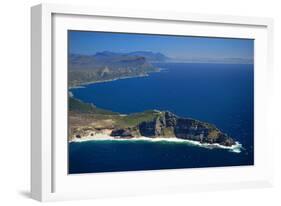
x=81, y=86
x=106, y=137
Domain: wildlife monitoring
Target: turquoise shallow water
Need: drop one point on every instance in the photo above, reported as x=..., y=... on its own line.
x=221, y=94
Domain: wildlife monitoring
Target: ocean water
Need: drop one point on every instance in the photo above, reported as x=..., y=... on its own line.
x=222, y=94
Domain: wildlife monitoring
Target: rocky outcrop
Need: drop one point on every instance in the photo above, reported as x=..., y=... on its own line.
x=166, y=124
x=88, y=120
x=106, y=66
x=160, y=126
x=126, y=133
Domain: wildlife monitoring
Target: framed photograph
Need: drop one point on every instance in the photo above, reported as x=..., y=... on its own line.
x=136, y=102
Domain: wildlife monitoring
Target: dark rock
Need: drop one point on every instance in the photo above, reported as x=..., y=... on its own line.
x=225, y=140
x=147, y=129
x=171, y=119
x=121, y=133
x=156, y=127
x=184, y=128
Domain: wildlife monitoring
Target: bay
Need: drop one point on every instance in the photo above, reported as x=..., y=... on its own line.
x=221, y=94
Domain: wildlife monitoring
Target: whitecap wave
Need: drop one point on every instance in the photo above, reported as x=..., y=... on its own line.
x=236, y=148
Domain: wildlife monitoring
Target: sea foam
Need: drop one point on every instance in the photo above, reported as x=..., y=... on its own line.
x=236, y=148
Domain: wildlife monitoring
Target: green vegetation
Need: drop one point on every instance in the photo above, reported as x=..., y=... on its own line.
x=106, y=66
x=136, y=118
x=86, y=119
x=120, y=121
x=169, y=132
x=79, y=106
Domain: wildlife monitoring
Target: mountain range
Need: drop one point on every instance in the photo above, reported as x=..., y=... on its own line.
x=104, y=66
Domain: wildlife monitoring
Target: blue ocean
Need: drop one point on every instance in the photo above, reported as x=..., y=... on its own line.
x=221, y=94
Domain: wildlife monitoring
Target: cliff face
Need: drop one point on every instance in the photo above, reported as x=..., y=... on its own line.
x=168, y=125
x=104, y=66
x=86, y=120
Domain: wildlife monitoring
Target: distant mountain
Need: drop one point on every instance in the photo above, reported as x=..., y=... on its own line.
x=106, y=59
x=104, y=66
x=114, y=60
x=151, y=56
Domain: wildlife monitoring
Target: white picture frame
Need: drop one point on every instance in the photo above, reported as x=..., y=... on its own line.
x=49, y=180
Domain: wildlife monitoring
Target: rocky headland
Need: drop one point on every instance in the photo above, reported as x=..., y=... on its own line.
x=87, y=121
x=108, y=66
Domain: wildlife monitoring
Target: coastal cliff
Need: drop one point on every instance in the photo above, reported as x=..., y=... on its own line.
x=86, y=121
x=166, y=124
x=107, y=66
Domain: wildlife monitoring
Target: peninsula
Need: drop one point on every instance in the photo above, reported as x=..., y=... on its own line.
x=89, y=122
x=107, y=66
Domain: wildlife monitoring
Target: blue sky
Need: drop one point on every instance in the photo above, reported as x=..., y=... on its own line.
x=176, y=47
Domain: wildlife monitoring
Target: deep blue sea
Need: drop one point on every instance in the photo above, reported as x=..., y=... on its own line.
x=222, y=94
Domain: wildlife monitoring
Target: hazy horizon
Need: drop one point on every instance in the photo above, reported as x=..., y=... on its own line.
x=178, y=48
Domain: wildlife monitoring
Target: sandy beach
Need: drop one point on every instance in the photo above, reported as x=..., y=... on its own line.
x=106, y=136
